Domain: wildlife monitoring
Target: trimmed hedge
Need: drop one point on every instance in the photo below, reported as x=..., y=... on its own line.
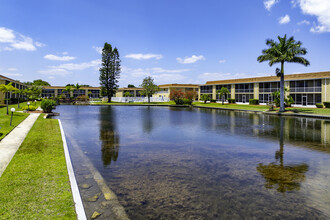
x=187, y=101
x=319, y=105
x=29, y=108
x=47, y=105
x=231, y=100
x=254, y=101
x=326, y=104
x=213, y=100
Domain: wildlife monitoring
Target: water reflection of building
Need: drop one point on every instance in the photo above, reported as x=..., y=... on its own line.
x=299, y=130
x=109, y=137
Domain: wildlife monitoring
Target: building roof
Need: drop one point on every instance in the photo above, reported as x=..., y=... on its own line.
x=63, y=87
x=11, y=80
x=301, y=76
x=179, y=85
x=130, y=89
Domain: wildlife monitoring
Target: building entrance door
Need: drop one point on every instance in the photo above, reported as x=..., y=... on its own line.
x=243, y=98
x=304, y=100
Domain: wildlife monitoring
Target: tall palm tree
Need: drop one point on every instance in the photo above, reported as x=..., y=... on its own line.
x=6, y=89
x=286, y=50
x=19, y=92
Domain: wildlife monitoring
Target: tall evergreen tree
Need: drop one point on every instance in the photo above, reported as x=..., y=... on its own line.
x=110, y=70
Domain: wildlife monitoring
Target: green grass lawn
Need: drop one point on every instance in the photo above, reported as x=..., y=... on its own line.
x=35, y=184
x=18, y=117
x=134, y=103
x=233, y=106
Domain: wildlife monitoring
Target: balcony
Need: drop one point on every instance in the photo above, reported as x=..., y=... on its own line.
x=263, y=90
x=305, y=89
x=243, y=90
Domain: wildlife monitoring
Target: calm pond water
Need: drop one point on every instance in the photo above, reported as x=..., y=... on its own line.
x=171, y=163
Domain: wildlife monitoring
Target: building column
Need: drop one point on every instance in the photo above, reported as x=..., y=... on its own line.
x=256, y=91
x=214, y=92
x=55, y=93
x=232, y=91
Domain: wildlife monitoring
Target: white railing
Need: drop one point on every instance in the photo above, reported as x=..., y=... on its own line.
x=139, y=99
x=306, y=89
x=244, y=90
x=268, y=89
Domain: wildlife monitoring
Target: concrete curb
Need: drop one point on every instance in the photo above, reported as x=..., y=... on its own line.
x=73, y=182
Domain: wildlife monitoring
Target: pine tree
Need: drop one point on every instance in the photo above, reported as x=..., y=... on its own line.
x=110, y=70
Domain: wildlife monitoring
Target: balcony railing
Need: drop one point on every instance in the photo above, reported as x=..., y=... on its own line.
x=244, y=90
x=305, y=89
x=206, y=91
x=268, y=89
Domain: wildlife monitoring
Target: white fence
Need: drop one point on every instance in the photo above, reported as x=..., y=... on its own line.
x=139, y=99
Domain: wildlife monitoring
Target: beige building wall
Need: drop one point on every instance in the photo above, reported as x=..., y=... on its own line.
x=214, y=92
x=232, y=92
x=2, y=95
x=325, y=90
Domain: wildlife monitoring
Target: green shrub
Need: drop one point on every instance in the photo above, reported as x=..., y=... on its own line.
x=178, y=101
x=47, y=105
x=254, y=101
x=319, y=105
x=187, y=101
x=213, y=100
x=231, y=100
x=326, y=104
x=29, y=108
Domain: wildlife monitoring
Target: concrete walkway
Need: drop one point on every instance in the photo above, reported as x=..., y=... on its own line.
x=10, y=144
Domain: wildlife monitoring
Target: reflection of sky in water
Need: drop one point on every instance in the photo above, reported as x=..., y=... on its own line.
x=202, y=164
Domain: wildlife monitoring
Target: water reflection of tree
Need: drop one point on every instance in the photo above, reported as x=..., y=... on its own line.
x=285, y=177
x=147, y=120
x=108, y=135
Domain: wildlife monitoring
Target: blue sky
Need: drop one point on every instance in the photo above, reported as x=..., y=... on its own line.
x=174, y=41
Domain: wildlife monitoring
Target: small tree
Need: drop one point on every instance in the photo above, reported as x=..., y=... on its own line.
x=110, y=70
x=128, y=94
x=190, y=94
x=149, y=87
x=130, y=86
x=19, y=92
x=205, y=98
x=176, y=95
x=222, y=92
x=6, y=89
x=288, y=100
x=69, y=89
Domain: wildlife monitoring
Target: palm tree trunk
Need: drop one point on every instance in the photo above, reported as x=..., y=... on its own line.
x=7, y=101
x=282, y=108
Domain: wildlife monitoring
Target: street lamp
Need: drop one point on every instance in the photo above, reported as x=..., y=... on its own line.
x=12, y=113
x=28, y=103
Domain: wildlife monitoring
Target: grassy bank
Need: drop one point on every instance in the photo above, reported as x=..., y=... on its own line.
x=35, y=184
x=18, y=117
x=134, y=103
x=289, y=110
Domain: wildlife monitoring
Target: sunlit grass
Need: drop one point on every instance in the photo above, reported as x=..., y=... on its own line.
x=35, y=184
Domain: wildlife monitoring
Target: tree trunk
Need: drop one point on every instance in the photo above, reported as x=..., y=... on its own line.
x=223, y=100
x=282, y=108
x=6, y=95
x=148, y=98
x=109, y=96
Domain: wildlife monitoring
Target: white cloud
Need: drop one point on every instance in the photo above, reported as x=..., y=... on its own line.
x=270, y=3
x=11, y=74
x=140, y=56
x=98, y=49
x=188, y=60
x=222, y=61
x=16, y=41
x=284, y=20
x=320, y=9
x=223, y=76
x=12, y=69
x=67, y=68
x=161, y=76
x=305, y=22
x=58, y=58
